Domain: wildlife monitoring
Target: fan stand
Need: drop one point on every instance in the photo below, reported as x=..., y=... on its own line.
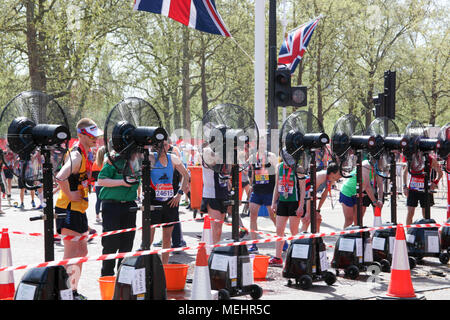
x=393, y=177
x=359, y=189
x=146, y=190
x=327, y=276
x=48, y=216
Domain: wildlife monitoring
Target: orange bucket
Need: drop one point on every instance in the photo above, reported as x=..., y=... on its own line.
x=260, y=264
x=107, y=284
x=175, y=276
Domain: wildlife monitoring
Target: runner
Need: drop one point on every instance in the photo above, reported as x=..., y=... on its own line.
x=288, y=202
x=324, y=180
x=117, y=198
x=415, y=192
x=215, y=192
x=262, y=180
x=73, y=180
x=164, y=165
x=348, y=195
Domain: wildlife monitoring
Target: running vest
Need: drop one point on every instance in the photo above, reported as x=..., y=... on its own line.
x=417, y=181
x=162, y=179
x=79, y=181
x=349, y=187
x=214, y=187
x=263, y=182
x=287, y=184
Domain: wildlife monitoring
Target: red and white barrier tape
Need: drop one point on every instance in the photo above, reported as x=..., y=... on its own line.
x=238, y=243
x=103, y=234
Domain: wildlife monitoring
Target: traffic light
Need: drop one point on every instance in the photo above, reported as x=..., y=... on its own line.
x=384, y=103
x=389, y=93
x=285, y=95
x=282, y=87
x=378, y=101
x=299, y=96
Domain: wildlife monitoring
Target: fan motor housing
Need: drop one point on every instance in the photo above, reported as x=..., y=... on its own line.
x=20, y=139
x=145, y=136
x=50, y=134
x=395, y=143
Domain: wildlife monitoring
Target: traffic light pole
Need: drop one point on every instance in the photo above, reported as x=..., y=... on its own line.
x=272, y=110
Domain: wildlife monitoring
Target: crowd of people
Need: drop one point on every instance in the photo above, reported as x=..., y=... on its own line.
x=266, y=181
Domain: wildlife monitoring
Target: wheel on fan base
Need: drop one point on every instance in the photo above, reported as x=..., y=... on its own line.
x=352, y=272
x=224, y=294
x=412, y=262
x=444, y=258
x=375, y=264
x=329, y=278
x=305, y=282
x=256, y=292
x=385, y=265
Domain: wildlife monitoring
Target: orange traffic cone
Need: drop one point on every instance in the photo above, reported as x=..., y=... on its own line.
x=201, y=284
x=377, y=217
x=6, y=277
x=400, y=285
x=207, y=234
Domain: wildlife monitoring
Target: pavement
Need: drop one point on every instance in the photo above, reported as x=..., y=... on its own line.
x=430, y=278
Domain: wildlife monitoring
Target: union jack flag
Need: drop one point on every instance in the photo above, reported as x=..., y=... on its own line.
x=197, y=14
x=294, y=45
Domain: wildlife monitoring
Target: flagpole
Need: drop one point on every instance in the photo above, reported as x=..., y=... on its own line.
x=260, y=67
x=316, y=18
x=284, y=24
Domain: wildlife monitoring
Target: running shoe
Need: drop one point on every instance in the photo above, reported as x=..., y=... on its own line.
x=92, y=231
x=2, y=212
x=78, y=296
x=242, y=233
x=253, y=249
x=275, y=262
x=33, y=205
x=158, y=244
x=285, y=246
x=98, y=220
x=22, y=206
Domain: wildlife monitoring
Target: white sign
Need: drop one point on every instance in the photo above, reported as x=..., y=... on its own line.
x=247, y=274
x=126, y=274
x=25, y=292
x=138, y=282
x=378, y=243
x=346, y=244
x=324, y=264
x=300, y=251
x=66, y=294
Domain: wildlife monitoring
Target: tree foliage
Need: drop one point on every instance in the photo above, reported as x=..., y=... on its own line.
x=90, y=54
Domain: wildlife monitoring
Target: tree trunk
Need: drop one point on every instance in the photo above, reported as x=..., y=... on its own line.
x=186, y=106
x=319, y=80
x=38, y=80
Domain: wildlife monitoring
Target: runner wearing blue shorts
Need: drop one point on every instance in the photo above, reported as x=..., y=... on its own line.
x=262, y=179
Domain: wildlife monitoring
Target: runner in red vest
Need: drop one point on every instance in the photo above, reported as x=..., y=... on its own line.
x=414, y=191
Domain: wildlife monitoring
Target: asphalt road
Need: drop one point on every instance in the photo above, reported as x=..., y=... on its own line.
x=430, y=278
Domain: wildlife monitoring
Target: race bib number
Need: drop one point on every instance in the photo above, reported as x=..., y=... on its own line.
x=164, y=191
x=282, y=188
x=417, y=183
x=261, y=177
